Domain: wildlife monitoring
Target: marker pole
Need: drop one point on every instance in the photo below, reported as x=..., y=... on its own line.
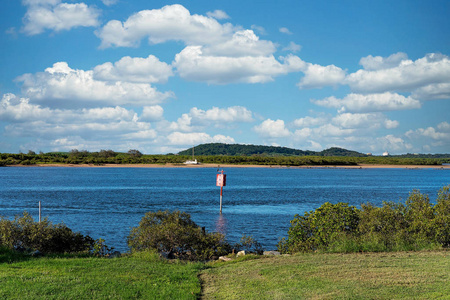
x=221, y=193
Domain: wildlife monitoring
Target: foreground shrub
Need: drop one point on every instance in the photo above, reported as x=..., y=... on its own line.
x=175, y=233
x=24, y=233
x=415, y=225
x=318, y=229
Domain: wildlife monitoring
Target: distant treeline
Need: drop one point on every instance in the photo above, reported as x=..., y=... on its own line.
x=246, y=150
x=75, y=157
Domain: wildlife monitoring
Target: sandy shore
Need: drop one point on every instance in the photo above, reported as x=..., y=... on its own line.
x=361, y=166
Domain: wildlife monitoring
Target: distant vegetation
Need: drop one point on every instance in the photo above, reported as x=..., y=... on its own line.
x=246, y=150
x=223, y=154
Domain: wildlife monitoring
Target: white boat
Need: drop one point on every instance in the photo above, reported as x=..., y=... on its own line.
x=193, y=161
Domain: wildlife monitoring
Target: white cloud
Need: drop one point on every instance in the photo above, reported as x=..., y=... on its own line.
x=222, y=115
x=293, y=47
x=16, y=109
x=152, y=113
x=442, y=133
x=372, y=63
x=243, y=43
x=218, y=14
x=400, y=74
x=195, y=138
x=65, y=87
x=285, y=30
x=367, y=121
x=272, y=129
x=57, y=126
x=261, y=30
x=193, y=65
x=310, y=121
x=392, y=144
x=370, y=103
x=433, y=91
x=136, y=69
x=317, y=76
x=444, y=126
x=57, y=16
x=109, y=2
x=198, y=119
x=172, y=22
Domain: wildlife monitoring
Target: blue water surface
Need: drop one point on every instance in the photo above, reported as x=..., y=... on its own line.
x=108, y=202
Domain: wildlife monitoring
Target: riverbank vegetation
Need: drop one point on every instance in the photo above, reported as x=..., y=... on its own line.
x=415, y=225
x=102, y=157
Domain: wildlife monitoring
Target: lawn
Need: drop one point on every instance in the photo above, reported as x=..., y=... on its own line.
x=399, y=275
x=392, y=275
x=142, y=275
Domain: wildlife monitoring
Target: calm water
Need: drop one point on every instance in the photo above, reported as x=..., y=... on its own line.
x=107, y=202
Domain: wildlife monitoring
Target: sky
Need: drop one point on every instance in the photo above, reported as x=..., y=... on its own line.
x=163, y=76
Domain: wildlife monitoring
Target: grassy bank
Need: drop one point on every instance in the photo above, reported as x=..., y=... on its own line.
x=143, y=275
x=399, y=275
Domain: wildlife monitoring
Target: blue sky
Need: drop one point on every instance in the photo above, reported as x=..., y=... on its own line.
x=162, y=76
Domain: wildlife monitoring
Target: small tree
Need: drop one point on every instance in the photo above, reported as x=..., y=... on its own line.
x=134, y=153
x=176, y=233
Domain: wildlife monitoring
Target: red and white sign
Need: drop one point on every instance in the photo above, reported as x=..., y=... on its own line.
x=221, y=180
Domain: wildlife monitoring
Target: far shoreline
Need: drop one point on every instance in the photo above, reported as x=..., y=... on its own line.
x=171, y=165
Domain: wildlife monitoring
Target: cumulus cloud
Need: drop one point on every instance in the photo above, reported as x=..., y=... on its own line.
x=272, y=129
x=241, y=44
x=317, y=76
x=441, y=133
x=373, y=63
x=105, y=123
x=433, y=91
x=198, y=119
x=370, y=103
x=62, y=86
x=392, y=143
x=172, y=22
x=397, y=73
x=152, y=113
x=195, y=138
x=293, y=47
x=310, y=121
x=134, y=69
x=285, y=30
x=259, y=29
x=53, y=15
x=365, y=121
x=15, y=109
x=192, y=64
x=109, y=2
x=218, y=14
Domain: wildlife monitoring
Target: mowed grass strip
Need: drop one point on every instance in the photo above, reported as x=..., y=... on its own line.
x=399, y=275
x=141, y=275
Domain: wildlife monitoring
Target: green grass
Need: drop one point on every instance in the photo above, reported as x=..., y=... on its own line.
x=392, y=275
x=141, y=275
x=400, y=275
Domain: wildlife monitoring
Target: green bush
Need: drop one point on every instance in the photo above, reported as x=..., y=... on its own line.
x=441, y=222
x=24, y=233
x=175, y=233
x=415, y=225
x=318, y=229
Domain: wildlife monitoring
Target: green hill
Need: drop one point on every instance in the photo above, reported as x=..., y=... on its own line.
x=249, y=150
